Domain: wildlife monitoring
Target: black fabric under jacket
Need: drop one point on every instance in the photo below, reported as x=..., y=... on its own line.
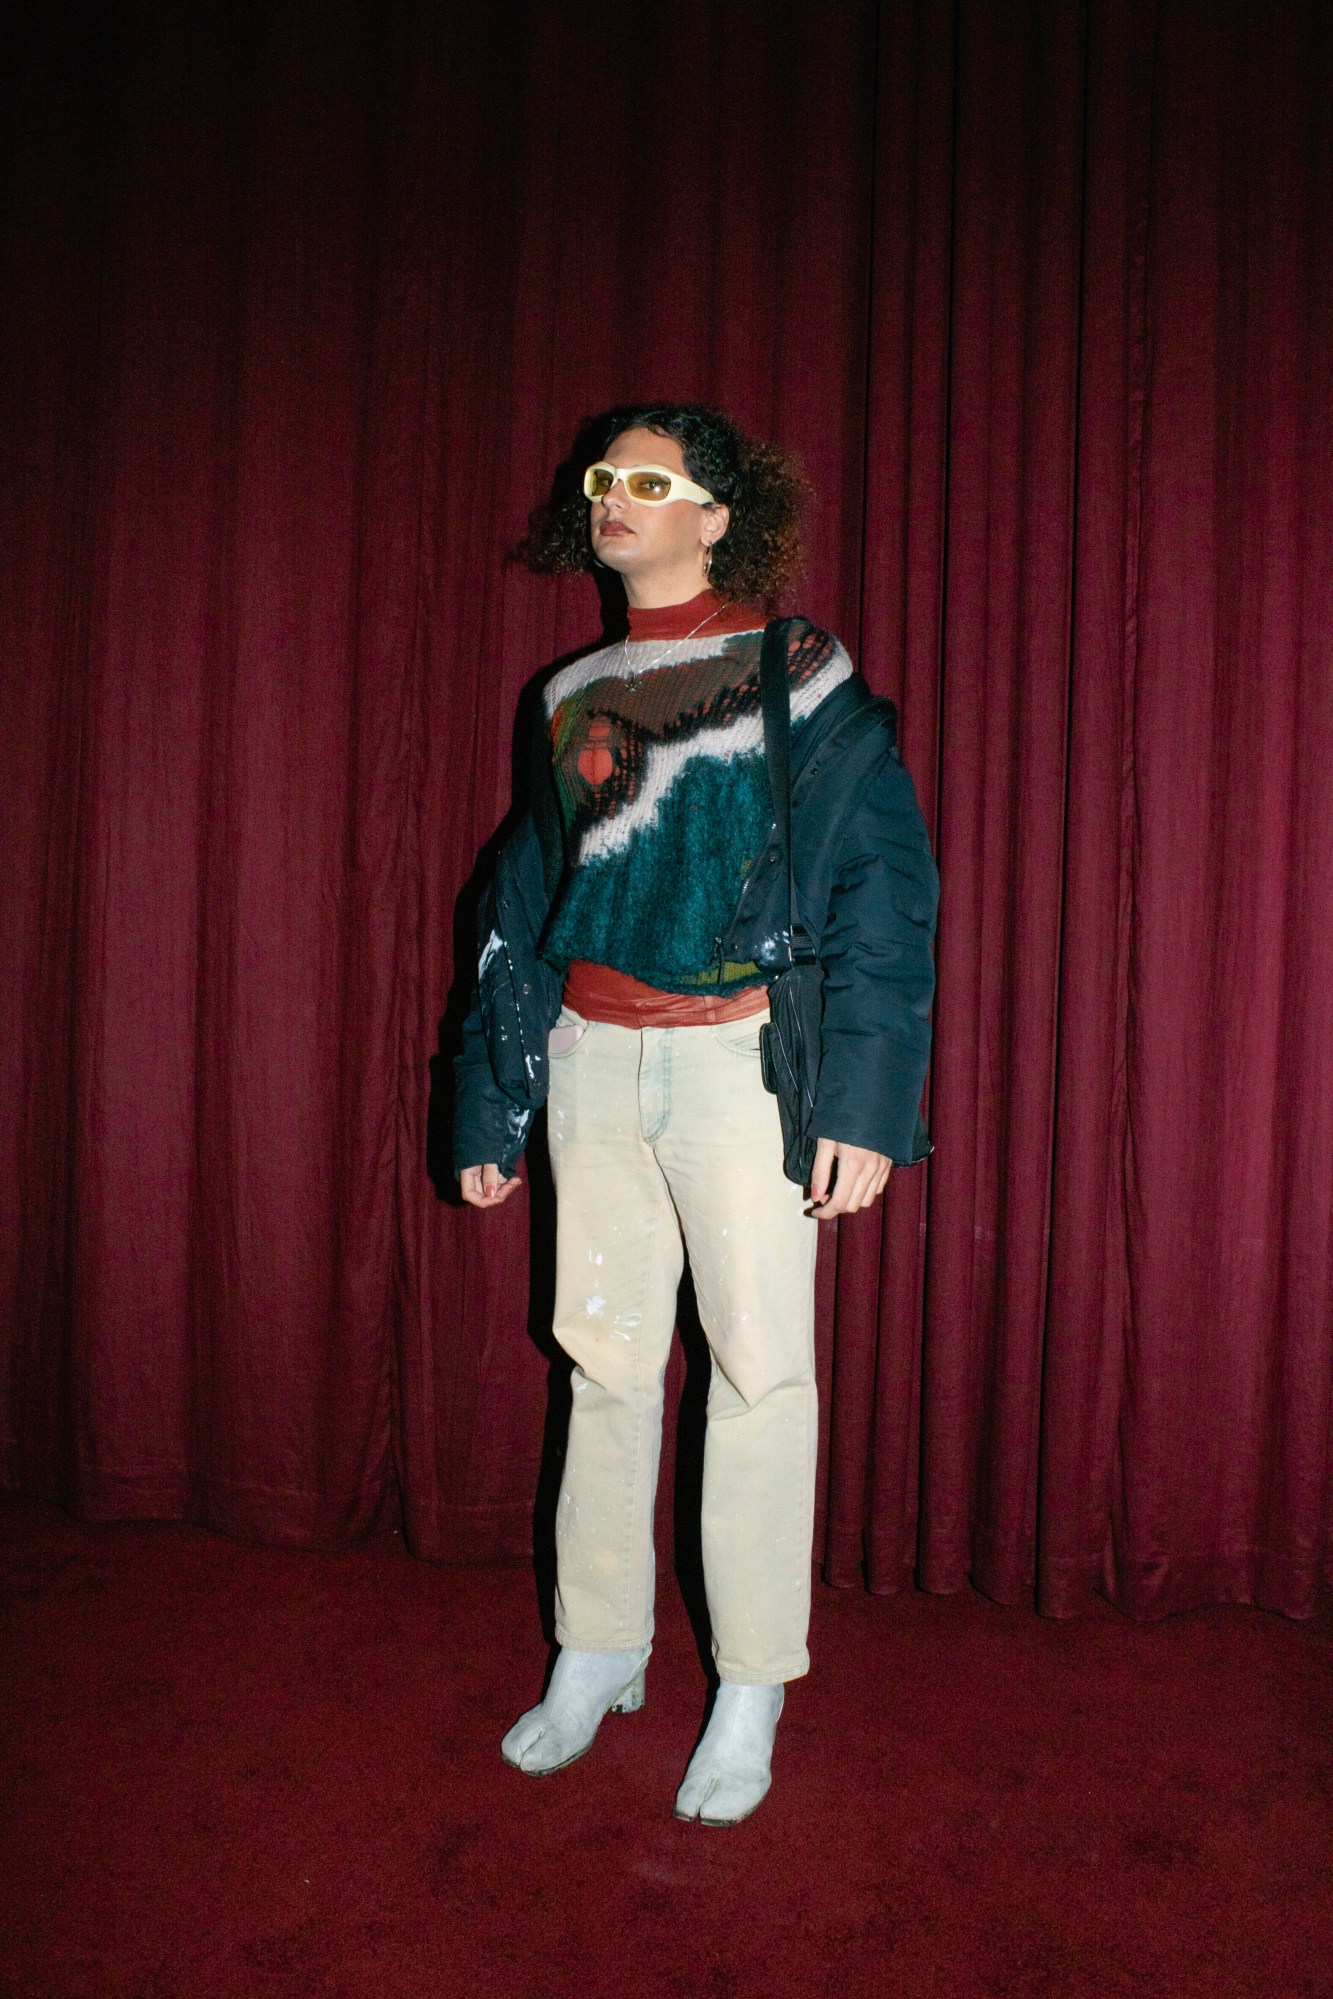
x=866, y=886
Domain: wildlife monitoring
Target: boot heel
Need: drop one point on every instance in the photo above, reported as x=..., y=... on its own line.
x=632, y=1699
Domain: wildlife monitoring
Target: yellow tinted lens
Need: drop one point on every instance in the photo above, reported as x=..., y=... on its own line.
x=649, y=486
x=598, y=479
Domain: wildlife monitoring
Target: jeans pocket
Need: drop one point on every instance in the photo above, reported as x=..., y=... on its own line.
x=566, y=1035
x=741, y=1037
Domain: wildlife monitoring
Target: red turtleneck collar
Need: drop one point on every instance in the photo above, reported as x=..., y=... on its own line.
x=710, y=614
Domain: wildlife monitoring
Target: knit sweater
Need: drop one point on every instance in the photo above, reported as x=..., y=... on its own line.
x=658, y=747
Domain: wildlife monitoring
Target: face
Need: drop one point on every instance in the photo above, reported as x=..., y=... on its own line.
x=641, y=540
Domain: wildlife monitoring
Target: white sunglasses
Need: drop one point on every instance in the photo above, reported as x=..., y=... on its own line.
x=654, y=485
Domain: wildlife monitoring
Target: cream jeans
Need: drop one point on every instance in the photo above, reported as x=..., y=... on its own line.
x=665, y=1140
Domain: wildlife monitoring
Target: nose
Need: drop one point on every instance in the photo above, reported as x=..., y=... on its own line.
x=617, y=493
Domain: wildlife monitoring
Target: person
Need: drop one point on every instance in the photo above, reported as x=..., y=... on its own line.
x=626, y=944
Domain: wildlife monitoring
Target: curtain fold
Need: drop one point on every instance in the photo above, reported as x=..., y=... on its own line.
x=304, y=306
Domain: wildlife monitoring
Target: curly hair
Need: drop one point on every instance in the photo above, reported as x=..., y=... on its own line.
x=757, y=557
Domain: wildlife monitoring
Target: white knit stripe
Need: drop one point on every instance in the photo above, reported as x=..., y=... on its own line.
x=836, y=668
x=664, y=762
x=627, y=662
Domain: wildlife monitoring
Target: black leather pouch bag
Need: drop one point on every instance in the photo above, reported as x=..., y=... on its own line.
x=789, y=1057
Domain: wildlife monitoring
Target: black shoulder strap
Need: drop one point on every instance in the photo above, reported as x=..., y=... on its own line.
x=775, y=701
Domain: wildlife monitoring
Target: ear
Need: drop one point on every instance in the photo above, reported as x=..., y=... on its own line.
x=716, y=520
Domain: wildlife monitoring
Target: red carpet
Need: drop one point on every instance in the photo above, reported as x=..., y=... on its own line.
x=236, y=1772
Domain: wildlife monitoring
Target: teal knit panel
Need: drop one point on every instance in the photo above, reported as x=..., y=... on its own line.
x=657, y=908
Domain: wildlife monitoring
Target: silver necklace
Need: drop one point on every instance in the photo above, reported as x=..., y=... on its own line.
x=624, y=644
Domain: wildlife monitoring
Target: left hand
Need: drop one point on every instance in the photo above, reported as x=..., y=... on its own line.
x=862, y=1177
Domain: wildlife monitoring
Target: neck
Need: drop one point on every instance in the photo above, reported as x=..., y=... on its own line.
x=675, y=586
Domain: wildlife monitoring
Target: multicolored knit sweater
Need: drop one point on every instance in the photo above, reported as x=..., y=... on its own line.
x=658, y=744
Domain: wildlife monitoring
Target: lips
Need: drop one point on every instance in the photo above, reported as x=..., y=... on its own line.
x=605, y=528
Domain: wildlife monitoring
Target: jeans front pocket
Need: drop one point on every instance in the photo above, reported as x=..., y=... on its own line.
x=567, y=1034
x=741, y=1037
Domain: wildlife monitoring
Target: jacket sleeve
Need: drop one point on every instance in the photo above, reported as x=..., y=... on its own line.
x=500, y=1070
x=879, y=972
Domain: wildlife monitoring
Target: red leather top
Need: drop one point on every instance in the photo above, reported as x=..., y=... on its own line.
x=598, y=993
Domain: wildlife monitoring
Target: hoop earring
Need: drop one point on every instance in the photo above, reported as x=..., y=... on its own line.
x=708, y=560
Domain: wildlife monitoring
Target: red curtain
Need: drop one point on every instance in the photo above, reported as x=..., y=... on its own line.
x=304, y=305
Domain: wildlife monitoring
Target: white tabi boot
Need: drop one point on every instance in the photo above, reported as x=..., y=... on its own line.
x=730, y=1771
x=584, y=1686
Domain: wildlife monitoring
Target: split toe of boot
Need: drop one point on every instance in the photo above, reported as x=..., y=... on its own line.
x=584, y=1687
x=731, y=1770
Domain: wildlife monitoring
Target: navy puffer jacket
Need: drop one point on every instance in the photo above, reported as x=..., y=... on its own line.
x=866, y=885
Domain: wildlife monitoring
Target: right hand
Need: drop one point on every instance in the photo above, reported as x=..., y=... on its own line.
x=486, y=1186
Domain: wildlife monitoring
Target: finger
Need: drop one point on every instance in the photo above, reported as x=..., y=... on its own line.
x=836, y=1203
x=485, y=1186
x=876, y=1182
x=839, y=1201
x=873, y=1185
x=820, y=1172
